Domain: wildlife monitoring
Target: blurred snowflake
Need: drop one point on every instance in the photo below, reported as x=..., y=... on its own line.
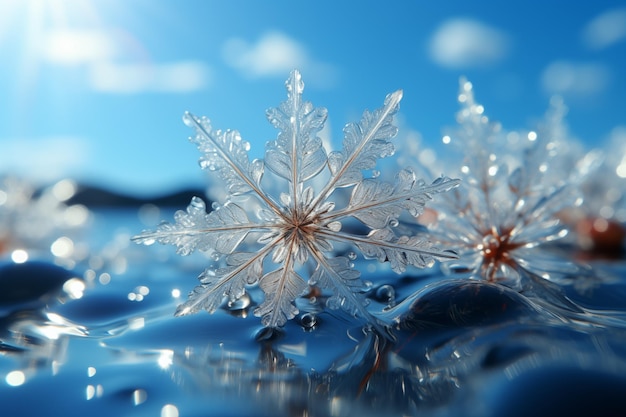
x=39, y=220
x=284, y=227
x=516, y=188
x=602, y=223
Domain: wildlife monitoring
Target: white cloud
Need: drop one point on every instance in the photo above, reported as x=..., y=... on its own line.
x=606, y=29
x=581, y=79
x=71, y=47
x=275, y=54
x=460, y=43
x=44, y=159
x=111, y=63
x=175, y=77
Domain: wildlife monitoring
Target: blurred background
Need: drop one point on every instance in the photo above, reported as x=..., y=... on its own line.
x=94, y=90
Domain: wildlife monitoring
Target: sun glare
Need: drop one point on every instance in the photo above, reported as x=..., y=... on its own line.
x=36, y=32
x=27, y=23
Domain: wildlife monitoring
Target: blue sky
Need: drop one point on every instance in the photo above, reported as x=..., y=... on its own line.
x=95, y=89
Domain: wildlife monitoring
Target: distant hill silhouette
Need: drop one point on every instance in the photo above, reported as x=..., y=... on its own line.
x=93, y=196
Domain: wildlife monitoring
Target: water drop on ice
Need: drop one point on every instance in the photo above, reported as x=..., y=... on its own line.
x=386, y=294
x=240, y=303
x=308, y=321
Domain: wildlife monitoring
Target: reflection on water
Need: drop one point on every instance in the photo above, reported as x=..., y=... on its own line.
x=99, y=339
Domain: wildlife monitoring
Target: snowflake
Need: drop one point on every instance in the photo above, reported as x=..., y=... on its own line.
x=516, y=186
x=34, y=220
x=279, y=226
x=603, y=224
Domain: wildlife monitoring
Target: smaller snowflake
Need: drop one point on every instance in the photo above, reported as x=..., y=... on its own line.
x=281, y=226
x=602, y=219
x=34, y=220
x=516, y=186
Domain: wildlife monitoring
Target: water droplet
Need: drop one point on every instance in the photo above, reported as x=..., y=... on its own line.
x=139, y=396
x=74, y=288
x=393, y=223
x=105, y=278
x=15, y=378
x=375, y=173
x=385, y=293
x=19, y=256
x=169, y=410
x=334, y=226
x=308, y=321
x=210, y=165
x=239, y=304
x=351, y=256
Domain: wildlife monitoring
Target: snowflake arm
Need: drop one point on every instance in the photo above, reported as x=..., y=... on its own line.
x=221, y=230
x=363, y=143
x=402, y=251
x=297, y=155
x=242, y=269
x=377, y=204
x=226, y=153
x=338, y=275
x=281, y=288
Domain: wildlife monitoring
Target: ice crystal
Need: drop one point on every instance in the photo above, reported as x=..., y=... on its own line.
x=516, y=187
x=36, y=220
x=606, y=188
x=602, y=222
x=288, y=240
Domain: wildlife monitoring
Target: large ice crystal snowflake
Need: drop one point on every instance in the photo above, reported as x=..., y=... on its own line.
x=516, y=188
x=280, y=225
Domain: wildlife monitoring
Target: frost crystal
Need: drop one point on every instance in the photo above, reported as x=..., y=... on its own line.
x=33, y=220
x=516, y=187
x=289, y=239
x=602, y=218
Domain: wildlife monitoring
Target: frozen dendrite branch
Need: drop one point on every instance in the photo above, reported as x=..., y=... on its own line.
x=515, y=188
x=287, y=240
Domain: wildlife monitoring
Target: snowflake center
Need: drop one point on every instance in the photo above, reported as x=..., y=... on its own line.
x=496, y=247
x=300, y=227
